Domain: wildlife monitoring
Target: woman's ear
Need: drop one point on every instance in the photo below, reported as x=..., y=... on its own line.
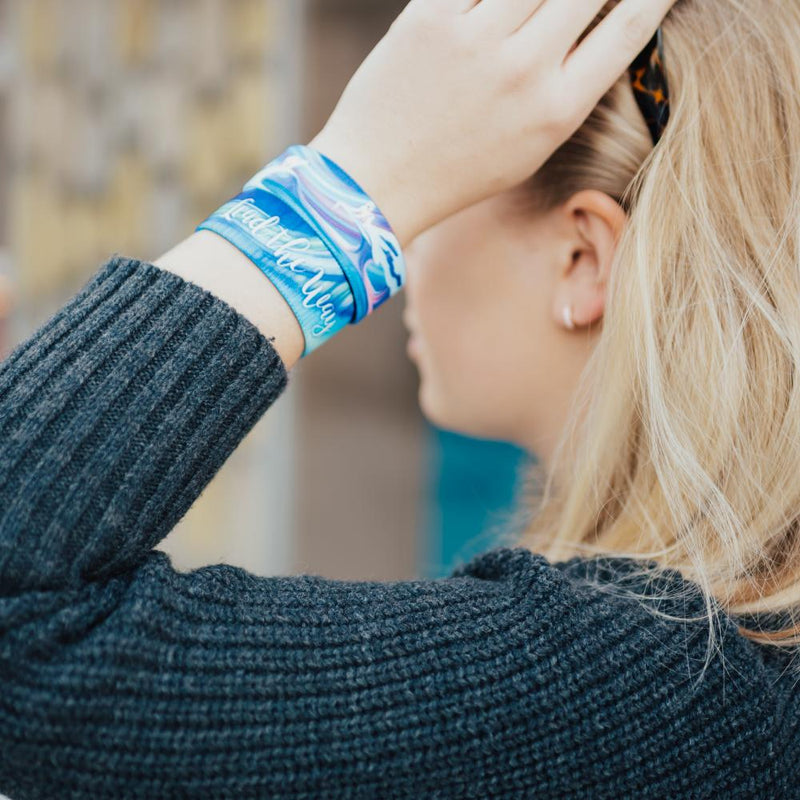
x=593, y=223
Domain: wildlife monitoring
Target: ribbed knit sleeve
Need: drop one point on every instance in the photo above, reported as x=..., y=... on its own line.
x=123, y=678
x=113, y=418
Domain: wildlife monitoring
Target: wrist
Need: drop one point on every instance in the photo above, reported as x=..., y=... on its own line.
x=214, y=264
x=323, y=242
x=387, y=188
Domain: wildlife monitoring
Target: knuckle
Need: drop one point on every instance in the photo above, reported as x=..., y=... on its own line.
x=517, y=73
x=560, y=111
x=430, y=25
x=429, y=16
x=514, y=79
x=635, y=29
x=414, y=19
x=559, y=125
x=468, y=40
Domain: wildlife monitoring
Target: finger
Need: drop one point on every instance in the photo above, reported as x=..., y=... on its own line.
x=503, y=17
x=597, y=63
x=447, y=6
x=559, y=23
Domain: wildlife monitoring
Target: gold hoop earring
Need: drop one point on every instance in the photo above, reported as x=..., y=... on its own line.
x=568, y=321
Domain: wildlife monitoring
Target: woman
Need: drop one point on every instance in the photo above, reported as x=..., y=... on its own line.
x=518, y=675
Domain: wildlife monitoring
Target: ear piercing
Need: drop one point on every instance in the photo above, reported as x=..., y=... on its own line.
x=567, y=314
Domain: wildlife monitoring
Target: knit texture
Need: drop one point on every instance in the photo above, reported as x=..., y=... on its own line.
x=123, y=678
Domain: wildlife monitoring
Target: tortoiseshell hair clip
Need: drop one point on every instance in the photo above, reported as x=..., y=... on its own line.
x=649, y=82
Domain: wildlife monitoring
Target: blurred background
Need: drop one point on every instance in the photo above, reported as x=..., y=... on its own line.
x=123, y=124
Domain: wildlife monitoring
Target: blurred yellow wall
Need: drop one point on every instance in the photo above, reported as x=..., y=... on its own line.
x=124, y=124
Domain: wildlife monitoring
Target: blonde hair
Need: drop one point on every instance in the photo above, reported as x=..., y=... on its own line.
x=683, y=447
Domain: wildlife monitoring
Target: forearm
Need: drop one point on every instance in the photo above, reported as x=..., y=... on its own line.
x=217, y=266
x=114, y=416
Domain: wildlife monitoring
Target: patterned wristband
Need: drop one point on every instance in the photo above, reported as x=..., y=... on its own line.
x=288, y=251
x=320, y=239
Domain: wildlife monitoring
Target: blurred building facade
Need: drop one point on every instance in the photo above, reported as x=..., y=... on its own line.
x=125, y=123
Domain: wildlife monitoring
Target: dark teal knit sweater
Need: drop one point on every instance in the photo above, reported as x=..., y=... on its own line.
x=120, y=677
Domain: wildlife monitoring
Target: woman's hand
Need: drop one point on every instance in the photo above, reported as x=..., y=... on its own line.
x=461, y=99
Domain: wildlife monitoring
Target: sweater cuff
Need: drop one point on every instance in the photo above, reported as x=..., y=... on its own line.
x=115, y=415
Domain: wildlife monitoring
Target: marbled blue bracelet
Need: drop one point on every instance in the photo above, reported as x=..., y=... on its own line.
x=320, y=239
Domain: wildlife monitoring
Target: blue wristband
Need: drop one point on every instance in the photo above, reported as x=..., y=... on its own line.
x=288, y=251
x=319, y=238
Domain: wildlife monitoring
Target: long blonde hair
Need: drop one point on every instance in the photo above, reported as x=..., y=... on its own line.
x=683, y=446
